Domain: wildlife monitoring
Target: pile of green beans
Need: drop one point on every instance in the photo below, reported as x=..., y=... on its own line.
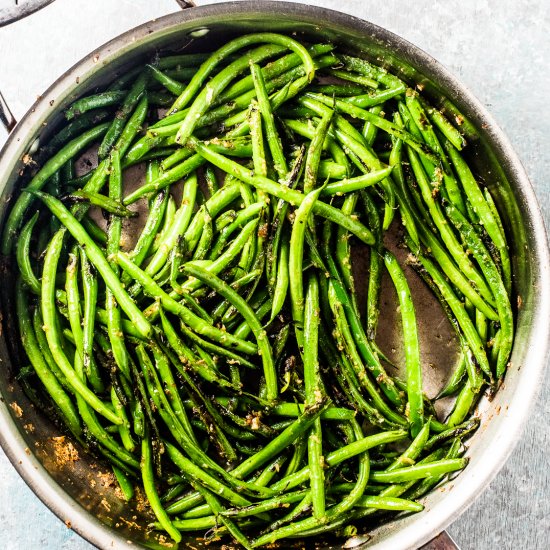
x=226, y=361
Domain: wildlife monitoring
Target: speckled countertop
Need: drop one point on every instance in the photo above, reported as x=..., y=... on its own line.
x=500, y=49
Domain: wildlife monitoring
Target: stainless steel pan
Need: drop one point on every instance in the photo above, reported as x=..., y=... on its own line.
x=77, y=488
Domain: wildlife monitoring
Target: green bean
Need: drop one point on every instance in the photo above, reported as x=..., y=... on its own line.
x=295, y=261
x=164, y=227
x=218, y=510
x=344, y=373
x=480, y=253
x=264, y=348
x=426, y=129
x=124, y=428
x=463, y=404
x=41, y=367
x=178, y=227
x=456, y=432
x=290, y=90
x=504, y=255
x=211, y=179
x=271, y=134
x=349, y=185
x=222, y=79
x=213, y=60
x=314, y=392
x=396, y=161
x=272, y=188
x=151, y=492
x=447, y=235
x=456, y=379
x=363, y=67
x=295, y=513
x=105, y=203
x=345, y=339
x=285, y=438
x=314, y=152
x=187, y=358
x=23, y=202
x=52, y=333
x=173, y=86
x=282, y=279
x=239, y=147
x=190, y=469
x=215, y=204
x=455, y=275
x=94, y=230
x=166, y=412
x=70, y=131
x=308, y=130
x=150, y=230
x=216, y=428
x=258, y=418
x=187, y=316
x=141, y=149
x=42, y=341
x=173, y=492
x=470, y=333
x=244, y=329
x=243, y=217
x=417, y=447
x=362, y=155
x=176, y=157
x=375, y=269
x=343, y=249
x=182, y=60
x=375, y=98
x=278, y=502
x=75, y=321
x=378, y=121
x=272, y=70
x=23, y=256
x=430, y=482
x=332, y=513
x=171, y=389
x=98, y=259
x=389, y=503
x=420, y=471
x=365, y=82
x=166, y=179
x=391, y=492
x=216, y=350
x=360, y=338
x=123, y=458
x=219, y=264
x=415, y=403
x=90, y=290
x=116, y=128
x=445, y=127
x=114, y=231
x=124, y=483
x=338, y=90
x=295, y=409
x=341, y=455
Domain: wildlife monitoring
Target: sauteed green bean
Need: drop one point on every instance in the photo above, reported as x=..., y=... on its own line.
x=210, y=334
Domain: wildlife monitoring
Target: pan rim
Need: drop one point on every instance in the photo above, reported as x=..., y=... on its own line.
x=441, y=515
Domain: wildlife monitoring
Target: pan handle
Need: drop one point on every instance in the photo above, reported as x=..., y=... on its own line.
x=6, y=117
x=443, y=541
x=184, y=4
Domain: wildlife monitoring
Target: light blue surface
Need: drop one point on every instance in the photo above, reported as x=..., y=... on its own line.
x=499, y=49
